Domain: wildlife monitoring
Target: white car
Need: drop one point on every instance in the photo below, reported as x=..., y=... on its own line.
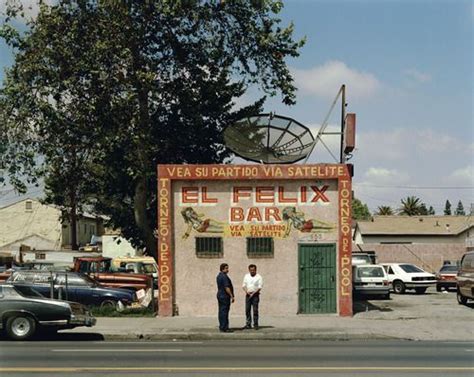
x=403, y=276
x=370, y=279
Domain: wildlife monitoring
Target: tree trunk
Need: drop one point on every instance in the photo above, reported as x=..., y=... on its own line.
x=141, y=219
x=73, y=223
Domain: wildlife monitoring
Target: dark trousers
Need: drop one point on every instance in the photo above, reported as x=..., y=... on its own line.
x=249, y=303
x=224, y=307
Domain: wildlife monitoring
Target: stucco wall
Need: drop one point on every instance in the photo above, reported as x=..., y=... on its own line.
x=195, y=278
x=18, y=223
x=427, y=256
x=416, y=239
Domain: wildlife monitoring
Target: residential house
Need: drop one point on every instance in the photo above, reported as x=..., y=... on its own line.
x=29, y=224
x=428, y=241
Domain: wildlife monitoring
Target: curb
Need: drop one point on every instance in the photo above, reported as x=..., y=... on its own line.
x=250, y=336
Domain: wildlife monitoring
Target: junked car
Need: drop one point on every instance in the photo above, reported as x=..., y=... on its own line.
x=403, y=276
x=73, y=286
x=370, y=279
x=23, y=311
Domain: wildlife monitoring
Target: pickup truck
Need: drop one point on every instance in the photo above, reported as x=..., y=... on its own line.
x=99, y=268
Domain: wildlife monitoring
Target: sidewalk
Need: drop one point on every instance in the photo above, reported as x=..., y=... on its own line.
x=364, y=325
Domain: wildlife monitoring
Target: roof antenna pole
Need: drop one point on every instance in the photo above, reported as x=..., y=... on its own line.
x=325, y=122
x=343, y=122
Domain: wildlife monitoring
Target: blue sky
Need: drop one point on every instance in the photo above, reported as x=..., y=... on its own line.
x=408, y=68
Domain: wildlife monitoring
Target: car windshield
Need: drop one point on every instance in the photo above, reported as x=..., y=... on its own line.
x=149, y=268
x=449, y=269
x=410, y=268
x=361, y=259
x=370, y=272
x=26, y=291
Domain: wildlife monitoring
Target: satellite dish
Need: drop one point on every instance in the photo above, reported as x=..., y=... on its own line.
x=269, y=139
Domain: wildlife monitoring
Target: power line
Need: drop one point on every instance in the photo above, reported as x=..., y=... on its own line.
x=417, y=187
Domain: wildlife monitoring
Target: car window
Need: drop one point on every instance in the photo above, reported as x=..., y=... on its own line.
x=468, y=261
x=449, y=269
x=370, y=272
x=388, y=269
x=149, y=268
x=27, y=291
x=410, y=268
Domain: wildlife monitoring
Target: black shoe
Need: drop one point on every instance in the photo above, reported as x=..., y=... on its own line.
x=247, y=327
x=226, y=330
x=256, y=327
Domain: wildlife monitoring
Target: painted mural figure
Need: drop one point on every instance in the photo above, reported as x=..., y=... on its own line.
x=195, y=221
x=297, y=220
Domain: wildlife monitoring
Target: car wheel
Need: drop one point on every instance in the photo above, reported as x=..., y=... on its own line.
x=420, y=290
x=461, y=299
x=20, y=327
x=109, y=304
x=438, y=288
x=398, y=287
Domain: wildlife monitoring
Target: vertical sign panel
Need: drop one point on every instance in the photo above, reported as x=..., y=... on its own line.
x=165, y=256
x=345, y=247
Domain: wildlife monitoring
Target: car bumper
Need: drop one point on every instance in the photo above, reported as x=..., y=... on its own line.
x=82, y=320
x=449, y=284
x=372, y=290
x=420, y=284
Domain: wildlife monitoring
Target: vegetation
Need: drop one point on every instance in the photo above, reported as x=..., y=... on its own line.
x=384, y=211
x=360, y=211
x=447, y=208
x=411, y=206
x=132, y=84
x=460, y=210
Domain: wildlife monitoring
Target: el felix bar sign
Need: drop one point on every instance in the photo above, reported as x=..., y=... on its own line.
x=306, y=195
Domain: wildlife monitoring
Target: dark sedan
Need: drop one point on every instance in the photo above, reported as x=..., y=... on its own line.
x=23, y=311
x=73, y=286
x=446, y=277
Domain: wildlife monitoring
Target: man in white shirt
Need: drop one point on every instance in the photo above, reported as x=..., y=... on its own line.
x=252, y=286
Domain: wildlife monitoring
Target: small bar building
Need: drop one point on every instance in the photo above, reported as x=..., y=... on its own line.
x=292, y=221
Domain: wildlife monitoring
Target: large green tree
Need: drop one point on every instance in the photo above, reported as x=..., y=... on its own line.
x=102, y=91
x=447, y=208
x=384, y=211
x=360, y=211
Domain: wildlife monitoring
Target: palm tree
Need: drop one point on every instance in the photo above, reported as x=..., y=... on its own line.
x=384, y=211
x=411, y=206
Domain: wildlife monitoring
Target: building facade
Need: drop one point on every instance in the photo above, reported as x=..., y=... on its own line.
x=292, y=221
x=428, y=241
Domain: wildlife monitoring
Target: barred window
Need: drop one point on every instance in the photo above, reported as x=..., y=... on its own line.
x=260, y=247
x=209, y=247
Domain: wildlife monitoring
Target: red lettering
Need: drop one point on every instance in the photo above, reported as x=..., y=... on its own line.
x=272, y=212
x=319, y=194
x=254, y=214
x=236, y=214
x=204, y=197
x=281, y=196
x=189, y=195
x=303, y=192
x=265, y=194
x=240, y=192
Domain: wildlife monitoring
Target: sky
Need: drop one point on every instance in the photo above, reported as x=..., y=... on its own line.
x=408, y=70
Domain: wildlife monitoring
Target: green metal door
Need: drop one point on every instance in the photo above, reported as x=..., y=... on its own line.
x=317, y=278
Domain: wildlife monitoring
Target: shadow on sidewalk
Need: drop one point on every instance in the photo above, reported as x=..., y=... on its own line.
x=362, y=305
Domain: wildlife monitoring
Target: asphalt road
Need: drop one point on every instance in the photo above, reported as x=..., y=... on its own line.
x=88, y=357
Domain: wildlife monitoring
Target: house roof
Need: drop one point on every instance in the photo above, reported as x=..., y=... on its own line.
x=416, y=225
x=83, y=214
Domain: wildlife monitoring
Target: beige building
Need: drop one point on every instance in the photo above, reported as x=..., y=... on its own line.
x=428, y=241
x=293, y=222
x=28, y=223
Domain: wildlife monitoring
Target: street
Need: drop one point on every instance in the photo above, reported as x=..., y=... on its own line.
x=77, y=355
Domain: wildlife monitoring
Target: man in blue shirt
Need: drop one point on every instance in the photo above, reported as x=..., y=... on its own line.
x=225, y=295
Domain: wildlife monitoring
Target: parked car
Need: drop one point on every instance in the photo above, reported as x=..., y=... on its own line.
x=446, y=277
x=403, y=276
x=73, y=286
x=465, y=279
x=23, y=311
x=100, y=269
x=370, y=279
x=361, y=258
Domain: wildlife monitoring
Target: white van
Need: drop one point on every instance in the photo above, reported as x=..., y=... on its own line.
x=370, y=279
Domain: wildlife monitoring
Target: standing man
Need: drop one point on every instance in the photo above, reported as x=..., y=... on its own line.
x=252, y=286
x=225, y=295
